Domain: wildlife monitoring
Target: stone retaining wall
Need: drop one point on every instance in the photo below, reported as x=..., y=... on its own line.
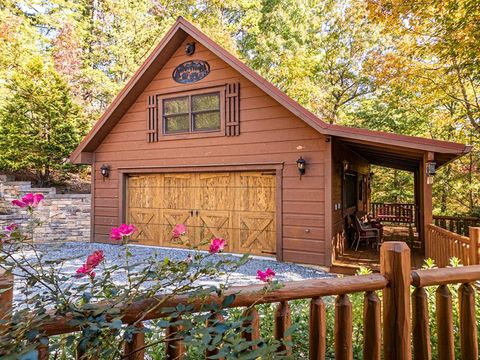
x=63, y=217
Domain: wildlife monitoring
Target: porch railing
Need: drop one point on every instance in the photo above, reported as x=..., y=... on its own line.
x=395, y=328
x=400, y=213
x=441, y=245
x=456, y=224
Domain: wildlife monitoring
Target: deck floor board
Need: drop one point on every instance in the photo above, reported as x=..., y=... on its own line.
x=349, y=262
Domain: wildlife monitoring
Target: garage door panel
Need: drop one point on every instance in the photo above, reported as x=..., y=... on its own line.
x=257, y=233
x=256, y=192
x=178, y=191
x=170, y=218
x=216, y=191
x=215, y=224
x=146, y=221
x=145, y=191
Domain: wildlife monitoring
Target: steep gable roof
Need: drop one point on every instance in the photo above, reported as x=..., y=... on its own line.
x=170, y=43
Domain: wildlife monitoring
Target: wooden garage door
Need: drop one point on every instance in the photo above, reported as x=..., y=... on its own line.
x=236, y=206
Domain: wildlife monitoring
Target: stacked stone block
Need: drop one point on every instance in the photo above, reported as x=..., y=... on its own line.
x=62, y=217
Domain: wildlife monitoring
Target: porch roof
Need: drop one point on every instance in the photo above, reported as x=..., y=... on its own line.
x=397, y=151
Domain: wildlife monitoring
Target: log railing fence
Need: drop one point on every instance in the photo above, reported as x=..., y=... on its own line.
x=400, y=213
x=441, y=245
x=456, y=224
x=395, y=281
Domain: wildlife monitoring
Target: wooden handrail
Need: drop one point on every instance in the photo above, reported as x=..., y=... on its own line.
x=441, y=245
x=445, y=276
x=245, y=296
x=456, y=224
x=458, y=237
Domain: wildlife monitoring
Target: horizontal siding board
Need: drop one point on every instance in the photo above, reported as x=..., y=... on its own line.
x=299, y=232
x=279, y=138
x=306, y=195
x=307, y=182
x=300, y=207
x=255, y=152
x=303, y=244
x=106, y=220
x=106, y=211
x=303, y=257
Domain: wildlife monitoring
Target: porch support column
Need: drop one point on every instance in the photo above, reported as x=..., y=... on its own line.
x=426, y=215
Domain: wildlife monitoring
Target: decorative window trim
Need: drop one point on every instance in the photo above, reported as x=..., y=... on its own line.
x=232, y=105
x=152, y=119
x=229, y=113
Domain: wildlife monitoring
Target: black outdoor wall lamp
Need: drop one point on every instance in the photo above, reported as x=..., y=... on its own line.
x=105, y=171
x=301, y=164
x=431, y=170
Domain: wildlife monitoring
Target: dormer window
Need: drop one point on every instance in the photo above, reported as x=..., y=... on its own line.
x=191, y=113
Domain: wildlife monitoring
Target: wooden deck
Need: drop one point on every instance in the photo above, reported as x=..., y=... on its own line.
x=350, y=261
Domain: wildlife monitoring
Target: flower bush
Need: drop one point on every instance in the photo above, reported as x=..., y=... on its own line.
x=93, y=296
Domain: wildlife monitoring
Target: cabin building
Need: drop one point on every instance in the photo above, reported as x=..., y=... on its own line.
x=196, y=137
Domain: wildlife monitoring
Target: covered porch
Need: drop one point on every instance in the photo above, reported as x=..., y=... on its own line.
x=352, y=208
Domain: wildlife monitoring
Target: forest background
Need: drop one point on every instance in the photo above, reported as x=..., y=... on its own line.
x=405, y=66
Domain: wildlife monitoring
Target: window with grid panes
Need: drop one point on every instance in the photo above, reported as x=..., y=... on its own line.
x=191, y=113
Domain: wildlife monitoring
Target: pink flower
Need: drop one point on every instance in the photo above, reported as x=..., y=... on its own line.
x=217, y=245
x=179, y=230
x=10, y=228
x=122, y=231
x=30, y=200
x=127, y=229
x=265, y=276
x=85, y=270
x=95, y=258
x=9, y=231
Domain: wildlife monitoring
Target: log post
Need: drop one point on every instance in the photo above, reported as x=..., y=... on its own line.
x=444, y=314
x=372, y=333
x=283, y=321
x=251, y=323
x=474, y=233
x=395, y=266
x=6, y=299
x=215, y=318
x=43, y=351
x=343, y=328
x=421, y=330
x=135, y=349
x=174, y=346
x=318, y=329
x=468, y=322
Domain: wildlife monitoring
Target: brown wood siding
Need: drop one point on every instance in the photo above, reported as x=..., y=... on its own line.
x=268, y=134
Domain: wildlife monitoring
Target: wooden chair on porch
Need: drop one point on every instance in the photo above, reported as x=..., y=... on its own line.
x=365, y=233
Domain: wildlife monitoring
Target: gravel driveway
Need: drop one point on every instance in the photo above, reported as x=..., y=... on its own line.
x=74, y=255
